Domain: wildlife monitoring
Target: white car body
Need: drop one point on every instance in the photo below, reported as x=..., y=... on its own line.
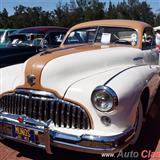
x=72, y=73
x=157, y=30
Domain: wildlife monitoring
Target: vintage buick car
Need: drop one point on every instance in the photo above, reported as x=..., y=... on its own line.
x=89, y=95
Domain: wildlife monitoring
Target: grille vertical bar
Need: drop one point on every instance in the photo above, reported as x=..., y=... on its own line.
x=73, y=116
x=62, y=114
x=68, y=116
x=57, y=114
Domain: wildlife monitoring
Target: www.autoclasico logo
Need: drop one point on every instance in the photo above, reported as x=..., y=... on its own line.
x=133, y=154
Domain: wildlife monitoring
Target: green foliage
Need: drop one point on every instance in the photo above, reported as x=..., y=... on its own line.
x=4, y=19
x=157, y=20
x=77, y=11
x=112, y=11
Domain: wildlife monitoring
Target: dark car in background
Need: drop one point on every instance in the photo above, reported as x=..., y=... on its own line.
x=29, y=41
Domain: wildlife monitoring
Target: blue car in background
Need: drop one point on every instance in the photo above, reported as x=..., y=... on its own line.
x=4, y=34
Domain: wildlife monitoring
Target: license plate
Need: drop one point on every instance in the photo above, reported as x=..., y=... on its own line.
x=23, y=134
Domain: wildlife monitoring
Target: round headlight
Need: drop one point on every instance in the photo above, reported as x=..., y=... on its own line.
x=104, y=98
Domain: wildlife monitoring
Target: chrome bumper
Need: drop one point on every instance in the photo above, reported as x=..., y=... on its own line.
x=46, y=138
x=92, y=143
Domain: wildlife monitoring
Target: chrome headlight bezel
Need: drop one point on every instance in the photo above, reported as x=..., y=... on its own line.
x=106, y=93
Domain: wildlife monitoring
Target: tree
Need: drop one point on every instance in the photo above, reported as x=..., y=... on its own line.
x=145, y=13
x=123, y=10
x=30, y=16
x=133, y=9
x=62, y=15
x=157, y=20
x=4, y=19
x=76, y=11
x=94, y=5
x=112, y=11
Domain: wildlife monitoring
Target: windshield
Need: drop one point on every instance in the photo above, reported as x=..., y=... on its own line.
x=104, y=35
x=25, y=40
x=85, y=35
x=1, y=34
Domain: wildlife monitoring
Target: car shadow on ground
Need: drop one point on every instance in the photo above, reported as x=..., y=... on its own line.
x=148, y=141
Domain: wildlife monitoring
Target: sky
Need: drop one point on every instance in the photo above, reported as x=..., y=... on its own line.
x=49, y=5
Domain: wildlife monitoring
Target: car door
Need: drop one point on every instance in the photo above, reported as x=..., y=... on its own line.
x=151, y=57
x=149, y=47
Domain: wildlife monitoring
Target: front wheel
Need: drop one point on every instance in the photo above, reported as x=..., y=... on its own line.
x=138, y=123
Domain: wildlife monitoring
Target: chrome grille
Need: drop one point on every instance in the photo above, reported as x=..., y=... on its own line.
x=43, y=106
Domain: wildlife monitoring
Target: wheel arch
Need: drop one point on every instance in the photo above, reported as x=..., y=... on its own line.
x=144, y=98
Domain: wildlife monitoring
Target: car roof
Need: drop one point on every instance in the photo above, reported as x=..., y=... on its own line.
x=42, y=29
x=114, y=22
x=8, y=29
x=137, y=25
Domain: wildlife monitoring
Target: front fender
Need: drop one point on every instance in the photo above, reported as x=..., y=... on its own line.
x=128, y=86
x=11, y=77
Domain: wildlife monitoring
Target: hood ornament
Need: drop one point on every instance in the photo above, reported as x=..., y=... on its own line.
x=31, y=79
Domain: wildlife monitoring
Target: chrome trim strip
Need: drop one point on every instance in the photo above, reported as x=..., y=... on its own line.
x=40, y=109
x=87, y=149
x=62, y=114
x=57, y=114
x=87, y=137
x=79, y=118
x=73, y=117
x=28, y=122
x=137, y=58
x=35, y=92
x=68, y=116
x=92, y=143
x=45, y=110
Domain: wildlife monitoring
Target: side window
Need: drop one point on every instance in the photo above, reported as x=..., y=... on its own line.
x=54, y=38
x=82, y=35
x=10, y=32
x=118, y=35
x=148, y=39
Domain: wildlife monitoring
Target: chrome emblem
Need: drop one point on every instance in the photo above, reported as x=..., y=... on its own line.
x=31, y=79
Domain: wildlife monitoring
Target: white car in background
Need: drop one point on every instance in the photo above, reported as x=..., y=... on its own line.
x=89, y=95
